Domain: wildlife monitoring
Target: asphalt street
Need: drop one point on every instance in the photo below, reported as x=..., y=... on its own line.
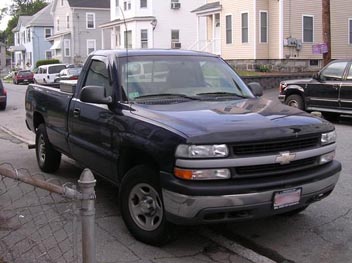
x=322, y=233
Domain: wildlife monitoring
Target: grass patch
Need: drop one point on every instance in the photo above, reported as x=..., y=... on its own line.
x=248, y=73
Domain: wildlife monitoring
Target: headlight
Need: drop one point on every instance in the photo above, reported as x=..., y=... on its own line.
x=328, y=138
x=328, y=157
x=204, y=174
x=202, y=151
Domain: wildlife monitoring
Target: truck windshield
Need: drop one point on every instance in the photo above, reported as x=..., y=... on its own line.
x=191, y=76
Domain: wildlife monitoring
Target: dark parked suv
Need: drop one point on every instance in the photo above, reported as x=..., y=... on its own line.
x=3, y=96
x=329, y=91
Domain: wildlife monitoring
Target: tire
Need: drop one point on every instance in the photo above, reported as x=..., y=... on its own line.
x=295, y=101
x=331, y=116
x=47, y=157
x=3, y=106
x=295, y=211
x=142, y=207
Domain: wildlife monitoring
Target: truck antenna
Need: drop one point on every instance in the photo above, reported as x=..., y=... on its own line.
x=126, y=46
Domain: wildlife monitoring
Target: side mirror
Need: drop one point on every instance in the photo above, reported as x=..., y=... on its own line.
x=316, y=76
x=256, y=88
x=95, y=94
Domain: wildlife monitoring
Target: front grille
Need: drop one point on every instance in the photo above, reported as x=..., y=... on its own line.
x=275, y=146
x=272, y=169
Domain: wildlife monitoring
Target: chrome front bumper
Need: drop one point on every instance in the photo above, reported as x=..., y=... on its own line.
x=188, y=208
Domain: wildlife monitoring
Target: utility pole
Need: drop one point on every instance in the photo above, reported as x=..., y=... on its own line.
x=326, y=30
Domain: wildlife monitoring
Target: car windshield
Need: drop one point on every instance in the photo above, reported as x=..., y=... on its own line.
x=200, y=77
x=56, y=69
x=25, y=73
x=74, y=71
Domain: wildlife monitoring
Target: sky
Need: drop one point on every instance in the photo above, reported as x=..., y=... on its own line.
x=4, y=20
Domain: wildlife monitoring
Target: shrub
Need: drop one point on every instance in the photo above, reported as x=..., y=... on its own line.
x=46, y=62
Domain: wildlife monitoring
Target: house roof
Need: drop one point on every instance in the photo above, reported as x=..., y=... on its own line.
x=89, y=3
x=42, y=18
x=207, y=7
x=22, y=20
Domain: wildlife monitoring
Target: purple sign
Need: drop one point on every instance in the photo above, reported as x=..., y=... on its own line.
x=320, y=49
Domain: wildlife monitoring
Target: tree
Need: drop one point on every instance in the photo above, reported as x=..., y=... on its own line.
x=18, y=8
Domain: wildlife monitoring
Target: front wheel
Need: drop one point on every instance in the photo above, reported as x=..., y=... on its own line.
x=295, y=101
x=47, y=157
x=142, y=206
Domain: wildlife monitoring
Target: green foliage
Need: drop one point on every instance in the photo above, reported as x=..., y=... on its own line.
x=264, y=68
x=46, y=62
x=18, y=8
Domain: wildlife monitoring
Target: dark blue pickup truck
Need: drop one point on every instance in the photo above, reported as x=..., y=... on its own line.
x=184, y=138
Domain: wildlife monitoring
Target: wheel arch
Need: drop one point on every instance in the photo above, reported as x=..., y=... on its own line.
x=37, y=120
x=131, y=157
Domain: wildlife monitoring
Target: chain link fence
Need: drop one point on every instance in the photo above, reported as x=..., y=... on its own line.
x=44, y=220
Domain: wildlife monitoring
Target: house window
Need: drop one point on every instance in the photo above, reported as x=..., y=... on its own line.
x=263, y=26
x=67, y=21
x=91, y=45
x=117, y=3
x=308, y=25
x=67, y=47
x=62, y=2
x=127, y=5
x=128, y=39
x=47, y=32
x=57, y=24
x=144, y=4
x=244, y=27
x=350, y=30
x=175, y=35
x=48, y=54
x=144, y=38
x=228, y=29
x=90, y=17
x=28, y=35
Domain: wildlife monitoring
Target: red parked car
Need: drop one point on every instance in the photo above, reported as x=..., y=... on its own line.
x=23, y=76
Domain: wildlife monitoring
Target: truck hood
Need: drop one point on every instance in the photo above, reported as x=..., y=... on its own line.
x=232, y=121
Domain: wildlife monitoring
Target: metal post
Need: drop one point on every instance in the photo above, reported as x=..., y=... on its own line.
x=86, y=183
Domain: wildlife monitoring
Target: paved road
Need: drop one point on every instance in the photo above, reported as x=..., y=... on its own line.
x=320, y=234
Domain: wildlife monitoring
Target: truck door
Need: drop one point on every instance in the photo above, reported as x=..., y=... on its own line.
x=346, y=91
x=90, y=135
x=324, y=93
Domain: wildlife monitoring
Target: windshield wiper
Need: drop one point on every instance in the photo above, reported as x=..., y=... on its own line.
x=221, y=93
x=163, y=95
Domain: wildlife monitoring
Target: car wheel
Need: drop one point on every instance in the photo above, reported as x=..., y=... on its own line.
x=331, y=116
x=47, y=157
x=295, y=211
x=142, y=206
x=3, y=106
x=295, y=101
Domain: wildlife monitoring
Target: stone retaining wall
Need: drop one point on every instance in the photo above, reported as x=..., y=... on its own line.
x=273, y=81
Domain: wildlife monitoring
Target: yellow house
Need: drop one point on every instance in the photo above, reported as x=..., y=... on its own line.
x=283, y=35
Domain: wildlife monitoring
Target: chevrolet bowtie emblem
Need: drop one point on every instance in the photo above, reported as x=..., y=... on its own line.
x=285, y=158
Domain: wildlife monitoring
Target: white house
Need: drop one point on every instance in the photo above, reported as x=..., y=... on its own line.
x=152, y=24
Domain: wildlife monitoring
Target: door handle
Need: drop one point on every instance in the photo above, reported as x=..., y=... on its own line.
x=76, y=112
x=336, y=86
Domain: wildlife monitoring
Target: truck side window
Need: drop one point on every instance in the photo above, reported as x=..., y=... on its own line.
x=98, y=75
x=349, y=76
x=334, y=72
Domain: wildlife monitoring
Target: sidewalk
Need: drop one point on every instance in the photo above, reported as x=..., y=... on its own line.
x=114, y=243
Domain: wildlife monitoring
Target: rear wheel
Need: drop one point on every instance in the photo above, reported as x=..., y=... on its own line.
x=3, y=106
x=142, y=206
x=47, y=157
x=295, y=101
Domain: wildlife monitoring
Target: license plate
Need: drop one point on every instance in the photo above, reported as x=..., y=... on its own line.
x=287, y=198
